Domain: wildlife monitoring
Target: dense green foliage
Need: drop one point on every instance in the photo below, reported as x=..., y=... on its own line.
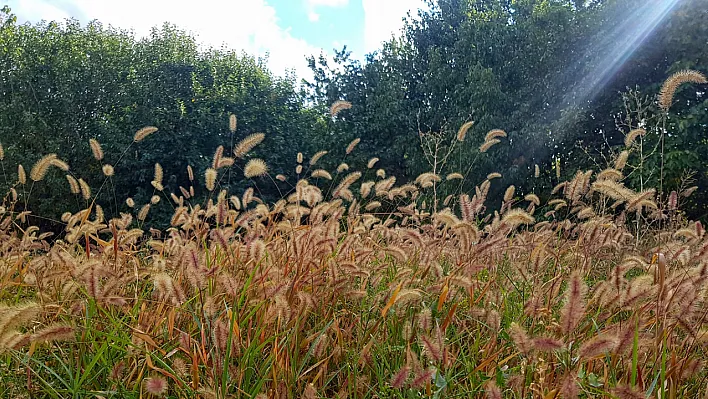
x=64, y=84
x=533, y=68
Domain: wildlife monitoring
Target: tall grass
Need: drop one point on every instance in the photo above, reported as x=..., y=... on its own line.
x=353, y=286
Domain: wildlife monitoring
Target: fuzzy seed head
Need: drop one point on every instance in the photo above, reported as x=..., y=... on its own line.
x=494, y=134
x=463, y=130
x=216, y=159
x=492, y=390
x=247, y=144
x=59, y=164
x=54, y=333
x=156, y=385
x=157, y=176
x=669, y=88
x=339, y=106
x=210, y=179
x=85, y=189
x=632, y=136
x=321, y=173
x=574, y=308
x=142, y=215
x=73, y=184
x=352, y=145
x=317, y=157
x=255, y=168
x=232, y=123
x=141, y=134
x=516, y=217
x=108, y=170
x=509, y=193
x=488, y=144
x=621, y=160
x=21, y=175
x=39, y=170
x=96, y=149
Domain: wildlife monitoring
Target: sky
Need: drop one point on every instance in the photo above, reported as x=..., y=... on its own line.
x=286, y=30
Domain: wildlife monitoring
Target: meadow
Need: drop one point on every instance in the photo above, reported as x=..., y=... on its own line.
x=354, y=285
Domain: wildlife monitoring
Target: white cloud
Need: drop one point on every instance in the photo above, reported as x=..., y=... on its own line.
x=311, y=5
x=249, y=25
x=383, y=18
x=328, y=3
x=313, y=16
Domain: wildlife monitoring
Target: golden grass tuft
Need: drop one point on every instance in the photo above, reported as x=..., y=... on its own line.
x=488, y=144
x=232, y=123
x=157, y=177
x=21, y=175
x=668, y=90
x=41, y=167
x=516, y=217
x=630, y=138
x=73, y=184
x=85, y=189
x=108, y=170
x=96, y=149
x=247, y=144
x=352, y=145
x=621, y=160
x=321, y=174
x=210, y=179
x=255, y=168
x=462, y=132
x=494, y=134
x=454, y=176
x=141, y=134
x=318, y=155
x=142, y=214
x=339, y=106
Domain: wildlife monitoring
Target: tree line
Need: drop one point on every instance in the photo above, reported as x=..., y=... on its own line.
x=529, y=67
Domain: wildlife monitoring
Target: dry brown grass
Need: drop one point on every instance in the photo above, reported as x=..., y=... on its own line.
x=359, y=292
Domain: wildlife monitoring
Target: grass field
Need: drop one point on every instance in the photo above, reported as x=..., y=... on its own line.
x=355, y=287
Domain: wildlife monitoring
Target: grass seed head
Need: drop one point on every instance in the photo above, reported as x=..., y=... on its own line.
x=96, y=149
x=255, y=168
x=141, y=134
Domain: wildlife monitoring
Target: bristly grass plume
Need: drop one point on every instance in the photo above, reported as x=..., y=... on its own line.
x=355, y=284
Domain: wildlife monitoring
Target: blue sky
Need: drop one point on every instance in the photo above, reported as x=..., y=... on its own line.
x=287, y=30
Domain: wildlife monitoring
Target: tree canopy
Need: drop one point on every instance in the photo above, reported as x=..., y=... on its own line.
x=63, y=84
x=541, y=70
x=551, y=73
